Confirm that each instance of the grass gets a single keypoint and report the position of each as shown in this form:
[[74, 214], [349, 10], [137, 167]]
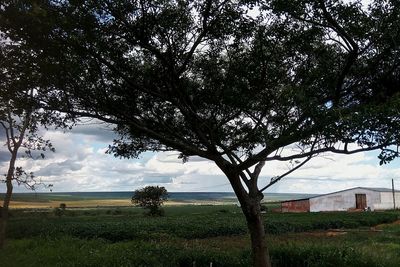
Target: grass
[[201, 234]]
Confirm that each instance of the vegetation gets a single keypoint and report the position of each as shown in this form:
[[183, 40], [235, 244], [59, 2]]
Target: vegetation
[[234, 82], [151, 198], [103, 237], [189, 222], [20, 118]]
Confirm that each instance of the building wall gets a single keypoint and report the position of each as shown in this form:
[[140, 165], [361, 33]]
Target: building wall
[[387, 201], [342, 201], [296, 206]]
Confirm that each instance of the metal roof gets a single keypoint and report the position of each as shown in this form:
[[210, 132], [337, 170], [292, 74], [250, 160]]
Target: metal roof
[[379, 189], [376, 189]]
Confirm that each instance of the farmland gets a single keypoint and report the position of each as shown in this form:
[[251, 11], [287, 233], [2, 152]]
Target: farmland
[[200, 234], [120, 199]]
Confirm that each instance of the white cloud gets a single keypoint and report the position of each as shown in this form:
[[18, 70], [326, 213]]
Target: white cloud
[[80, 164], [335, 172]]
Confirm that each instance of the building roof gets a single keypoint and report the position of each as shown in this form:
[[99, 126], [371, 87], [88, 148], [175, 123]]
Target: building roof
[[376, 189], [379, 189]]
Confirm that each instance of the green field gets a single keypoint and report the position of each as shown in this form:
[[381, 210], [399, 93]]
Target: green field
[[200, 234]]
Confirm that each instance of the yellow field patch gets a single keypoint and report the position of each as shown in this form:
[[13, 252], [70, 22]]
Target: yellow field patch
[[71, 204], [93, 203]]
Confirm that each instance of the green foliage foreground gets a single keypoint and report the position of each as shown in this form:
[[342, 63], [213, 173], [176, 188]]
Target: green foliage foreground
[[126, 237]]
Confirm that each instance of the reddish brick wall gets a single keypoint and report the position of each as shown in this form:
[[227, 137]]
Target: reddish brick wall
[[296, 206]]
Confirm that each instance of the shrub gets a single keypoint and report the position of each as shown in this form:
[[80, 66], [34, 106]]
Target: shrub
[[58, 212], [151, 198], [116, 212]]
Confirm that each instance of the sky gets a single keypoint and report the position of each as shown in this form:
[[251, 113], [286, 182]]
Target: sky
[[81, 164]]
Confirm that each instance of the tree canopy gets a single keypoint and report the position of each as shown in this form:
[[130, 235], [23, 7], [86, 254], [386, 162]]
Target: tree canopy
[[207, 78], [234, 82]]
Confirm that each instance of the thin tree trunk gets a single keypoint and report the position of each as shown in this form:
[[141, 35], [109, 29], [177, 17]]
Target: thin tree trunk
[[3, 224], [255, 224], [13, 144], [7, 199], [4, 215]]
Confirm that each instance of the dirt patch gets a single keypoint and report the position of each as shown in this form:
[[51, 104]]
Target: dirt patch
[[338, 232], [385, 224], [325, 233]]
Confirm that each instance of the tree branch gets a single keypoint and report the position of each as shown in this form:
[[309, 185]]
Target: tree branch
[[180, 145], [8, 142], [11, 129], [328, 149], [353, 48], [278, 178], [257, 169], [335, 26]]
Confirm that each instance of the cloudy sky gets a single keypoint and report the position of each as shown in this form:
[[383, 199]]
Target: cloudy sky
[[80, 164]]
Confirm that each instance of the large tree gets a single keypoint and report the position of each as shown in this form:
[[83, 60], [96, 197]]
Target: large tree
[[235, 82]]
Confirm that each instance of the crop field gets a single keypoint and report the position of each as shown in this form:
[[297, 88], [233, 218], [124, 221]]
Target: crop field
[[121, 199], [197, 236]]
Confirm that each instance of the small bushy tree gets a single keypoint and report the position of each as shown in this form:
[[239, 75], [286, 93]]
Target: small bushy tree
[[151, 198]]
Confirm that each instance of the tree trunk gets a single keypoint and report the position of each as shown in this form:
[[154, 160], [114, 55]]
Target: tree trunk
[[250, 205], [7, 199], [4, 213], [255, 224], [3, 224], [13, 144]]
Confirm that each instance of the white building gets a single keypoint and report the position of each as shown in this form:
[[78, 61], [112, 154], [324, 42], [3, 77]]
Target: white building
[[361, 198]]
